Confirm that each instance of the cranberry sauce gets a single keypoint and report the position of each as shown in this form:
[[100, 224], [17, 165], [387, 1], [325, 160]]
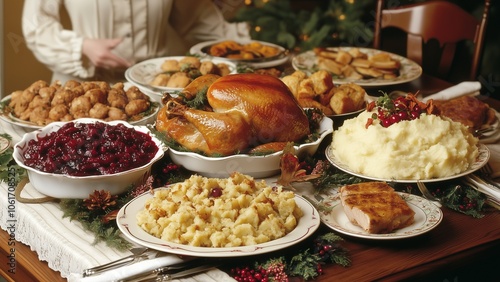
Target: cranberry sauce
[[85, 149]]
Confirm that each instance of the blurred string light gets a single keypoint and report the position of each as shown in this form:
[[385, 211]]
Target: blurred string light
[[330, 23]]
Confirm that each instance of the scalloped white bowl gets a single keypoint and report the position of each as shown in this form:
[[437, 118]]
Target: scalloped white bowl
[[79, 187], [255, 166]]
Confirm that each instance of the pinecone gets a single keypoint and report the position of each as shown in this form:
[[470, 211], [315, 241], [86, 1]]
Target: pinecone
[[100, 200]]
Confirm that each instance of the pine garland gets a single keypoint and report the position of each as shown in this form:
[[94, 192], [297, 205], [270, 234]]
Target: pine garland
[[101, 220]]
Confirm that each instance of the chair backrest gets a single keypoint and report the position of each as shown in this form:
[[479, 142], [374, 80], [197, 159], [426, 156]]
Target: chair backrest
[[443, 21]]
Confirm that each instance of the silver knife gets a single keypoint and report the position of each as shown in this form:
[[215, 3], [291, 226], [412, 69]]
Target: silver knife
[[158, 276]]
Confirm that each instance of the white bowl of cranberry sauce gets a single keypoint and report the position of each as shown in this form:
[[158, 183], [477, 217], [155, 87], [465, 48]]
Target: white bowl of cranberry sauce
[[73, 159]]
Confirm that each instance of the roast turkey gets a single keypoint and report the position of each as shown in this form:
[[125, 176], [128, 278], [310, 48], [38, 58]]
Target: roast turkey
[[242, 111]]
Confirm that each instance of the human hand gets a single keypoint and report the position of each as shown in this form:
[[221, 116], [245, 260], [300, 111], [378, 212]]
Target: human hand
[[99, 52]]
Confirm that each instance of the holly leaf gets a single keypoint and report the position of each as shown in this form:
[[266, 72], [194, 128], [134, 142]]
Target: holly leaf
[[304, 265]]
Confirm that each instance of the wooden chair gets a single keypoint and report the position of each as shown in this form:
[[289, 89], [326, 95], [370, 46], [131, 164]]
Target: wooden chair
[[443, 21]]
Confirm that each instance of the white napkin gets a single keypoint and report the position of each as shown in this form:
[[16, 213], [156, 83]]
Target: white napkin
[[128, 270], [464, 88]]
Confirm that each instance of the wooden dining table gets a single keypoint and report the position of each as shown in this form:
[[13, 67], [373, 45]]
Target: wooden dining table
[[460, 248]]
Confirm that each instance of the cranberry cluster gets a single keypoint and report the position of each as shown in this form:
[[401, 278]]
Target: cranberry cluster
[[402, 108], [83, 149], [246, 274], [274, 272]]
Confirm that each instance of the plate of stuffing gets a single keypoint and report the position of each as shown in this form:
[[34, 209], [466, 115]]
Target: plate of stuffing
[[407, 216], [42, 103], [218, 217], [255, 53], [172, 74], [363, 66]]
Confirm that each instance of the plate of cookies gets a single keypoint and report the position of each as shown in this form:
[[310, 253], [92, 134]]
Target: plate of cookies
[[363, 66]]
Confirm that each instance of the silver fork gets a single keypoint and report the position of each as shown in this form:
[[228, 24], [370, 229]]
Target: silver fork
[[482, 131], [486, 170], [427, 194], [137, 254]]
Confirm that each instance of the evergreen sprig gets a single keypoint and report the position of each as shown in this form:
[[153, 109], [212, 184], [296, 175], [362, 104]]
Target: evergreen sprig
[[74, 209], [328, 24], [10, 171]]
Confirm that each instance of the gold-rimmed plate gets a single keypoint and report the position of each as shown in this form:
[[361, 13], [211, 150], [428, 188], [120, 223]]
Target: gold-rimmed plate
[[408, 71], [127, 223], [143, 73], [21, 126], [280, 58], [481, 160], [427, 217]]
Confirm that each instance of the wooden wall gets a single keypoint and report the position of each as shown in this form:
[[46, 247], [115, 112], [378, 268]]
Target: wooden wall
[[20, 67]]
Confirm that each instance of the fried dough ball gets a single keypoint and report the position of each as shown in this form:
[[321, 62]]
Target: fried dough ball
[[80, 107], [27, 97], [23, 102], [117, 98], [63, 96], [58, 112], [25, 115], [39, 101], [207, 67], [170, 66], [88, 85], [119, 86], [78, 90], [161, 79], [15, 98], [135, 107], [39, 115], [178, 80], [347, 98], [133, 93], [193, 62], [37, 85], [70, 84], [47, 92], [116, 114], [99, 110], [223, 69], [96, 95]]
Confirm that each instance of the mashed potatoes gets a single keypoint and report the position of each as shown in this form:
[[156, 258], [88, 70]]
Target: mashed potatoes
[[425, 148], [213, 212]]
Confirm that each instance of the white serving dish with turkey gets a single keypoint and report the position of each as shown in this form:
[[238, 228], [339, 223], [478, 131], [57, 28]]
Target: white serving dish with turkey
[[244, 125]]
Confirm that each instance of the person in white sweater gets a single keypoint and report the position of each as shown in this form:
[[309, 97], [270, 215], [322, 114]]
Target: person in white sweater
[[108, 36]]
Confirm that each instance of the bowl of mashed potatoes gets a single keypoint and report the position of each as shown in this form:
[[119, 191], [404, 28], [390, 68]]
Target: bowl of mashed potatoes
[[430, 147]]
